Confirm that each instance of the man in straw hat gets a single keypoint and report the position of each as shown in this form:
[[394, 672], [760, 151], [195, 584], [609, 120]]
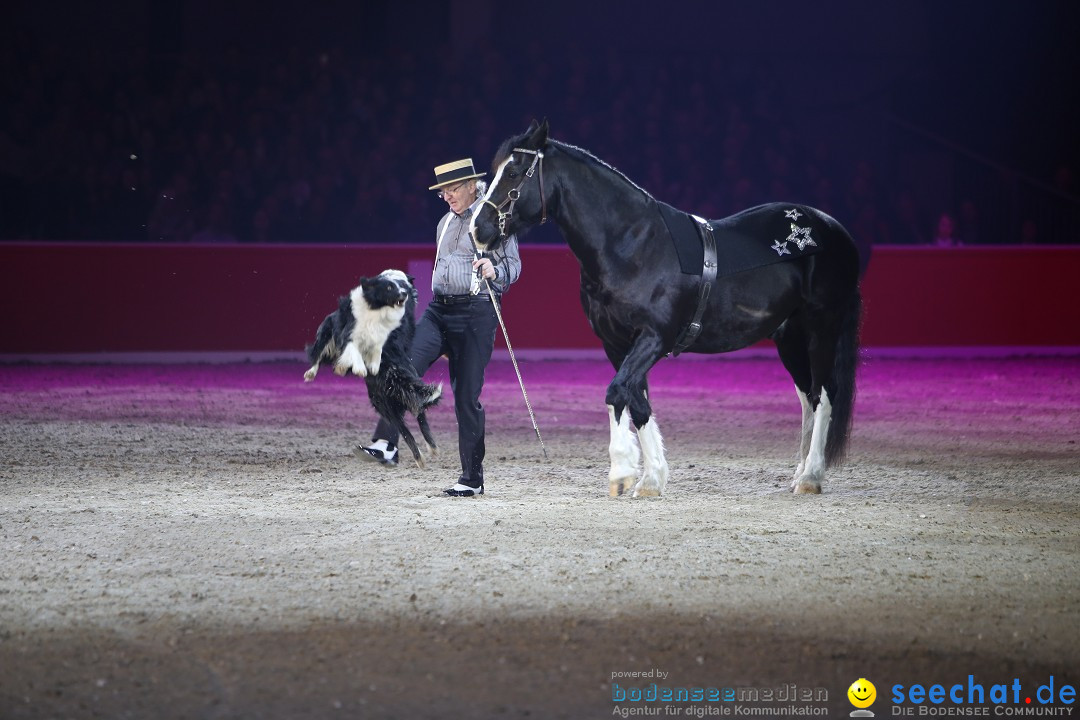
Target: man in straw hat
[[460, 322]]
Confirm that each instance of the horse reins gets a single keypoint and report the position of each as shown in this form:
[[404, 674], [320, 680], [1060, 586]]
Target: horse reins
[[514, 193]]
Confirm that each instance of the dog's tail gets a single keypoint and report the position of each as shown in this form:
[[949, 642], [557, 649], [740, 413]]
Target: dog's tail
[[429, 396], [413, 393]]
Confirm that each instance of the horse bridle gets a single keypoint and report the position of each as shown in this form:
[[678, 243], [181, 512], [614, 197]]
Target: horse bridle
[[514, 193]]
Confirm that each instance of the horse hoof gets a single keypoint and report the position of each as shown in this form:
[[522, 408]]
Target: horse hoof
[[806, 487], [420, 463], [618, 487]]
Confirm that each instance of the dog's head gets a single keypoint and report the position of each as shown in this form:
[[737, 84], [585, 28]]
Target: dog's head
[[390, 288]]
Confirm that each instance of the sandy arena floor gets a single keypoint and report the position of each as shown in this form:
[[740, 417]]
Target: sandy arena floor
[[198, 541]]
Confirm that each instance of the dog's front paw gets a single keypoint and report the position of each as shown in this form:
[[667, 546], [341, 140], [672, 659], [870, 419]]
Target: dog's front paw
[[374, 368], [310, 374]]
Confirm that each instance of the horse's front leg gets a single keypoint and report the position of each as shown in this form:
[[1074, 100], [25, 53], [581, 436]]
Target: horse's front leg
[[623, 449], [627, 395], [655, 474]]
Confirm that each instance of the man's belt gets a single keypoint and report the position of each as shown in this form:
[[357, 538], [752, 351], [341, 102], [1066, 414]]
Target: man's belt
[[459, 299]]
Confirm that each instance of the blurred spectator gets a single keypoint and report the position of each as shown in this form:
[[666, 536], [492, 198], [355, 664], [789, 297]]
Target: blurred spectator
[[945, 232], [907, 224], [869, 228]]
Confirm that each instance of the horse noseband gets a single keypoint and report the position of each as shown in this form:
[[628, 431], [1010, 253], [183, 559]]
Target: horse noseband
[[514, 193]]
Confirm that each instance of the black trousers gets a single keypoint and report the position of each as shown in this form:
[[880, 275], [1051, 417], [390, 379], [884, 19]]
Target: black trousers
[[465, 333]]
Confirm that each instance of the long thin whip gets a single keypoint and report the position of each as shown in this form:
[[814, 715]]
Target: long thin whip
[[513, 360]]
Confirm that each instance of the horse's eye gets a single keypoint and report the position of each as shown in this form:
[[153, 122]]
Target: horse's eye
[[512, 173]]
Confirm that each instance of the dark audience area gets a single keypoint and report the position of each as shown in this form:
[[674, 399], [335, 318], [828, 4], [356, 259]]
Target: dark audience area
[[331, 144]]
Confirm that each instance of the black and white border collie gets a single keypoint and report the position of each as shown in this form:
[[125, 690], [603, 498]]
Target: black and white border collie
[[370, 334]]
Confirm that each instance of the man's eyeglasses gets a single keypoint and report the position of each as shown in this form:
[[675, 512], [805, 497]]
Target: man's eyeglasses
[[445, 193]]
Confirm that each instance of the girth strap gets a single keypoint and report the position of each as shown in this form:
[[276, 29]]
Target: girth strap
[[708, 276]]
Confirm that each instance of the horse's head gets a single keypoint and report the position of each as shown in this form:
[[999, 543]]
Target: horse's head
[[515, 200]]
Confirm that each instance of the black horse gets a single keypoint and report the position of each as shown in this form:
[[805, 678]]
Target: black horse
[[655, 282]]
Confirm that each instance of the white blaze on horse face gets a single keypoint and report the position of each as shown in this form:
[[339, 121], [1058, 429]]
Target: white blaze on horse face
[[485, 200]]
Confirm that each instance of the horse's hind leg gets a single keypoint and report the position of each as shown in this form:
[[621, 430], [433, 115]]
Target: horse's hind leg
[[792, 346], [813, 468], [805, 434], [820, 354]]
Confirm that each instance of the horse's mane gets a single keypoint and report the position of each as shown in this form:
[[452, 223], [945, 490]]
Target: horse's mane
[[573, 150], [586, 156]]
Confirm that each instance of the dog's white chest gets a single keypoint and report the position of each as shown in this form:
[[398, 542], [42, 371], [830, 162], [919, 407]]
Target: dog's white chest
[[372, 328]]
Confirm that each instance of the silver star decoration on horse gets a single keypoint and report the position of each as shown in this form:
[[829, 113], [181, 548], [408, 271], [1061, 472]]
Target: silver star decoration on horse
[[800, 236], [793, 214], [780, 246]]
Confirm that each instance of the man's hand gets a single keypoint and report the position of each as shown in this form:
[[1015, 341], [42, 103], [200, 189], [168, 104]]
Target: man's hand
[[484, 268]]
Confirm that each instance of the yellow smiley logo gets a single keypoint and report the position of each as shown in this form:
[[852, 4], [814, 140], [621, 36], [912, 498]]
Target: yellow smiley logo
[[862, 693]]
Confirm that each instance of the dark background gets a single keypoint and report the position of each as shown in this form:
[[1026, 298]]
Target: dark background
[[321, 122]]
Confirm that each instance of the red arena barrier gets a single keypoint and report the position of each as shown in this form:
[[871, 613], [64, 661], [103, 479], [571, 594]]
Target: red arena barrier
[[162, 298]]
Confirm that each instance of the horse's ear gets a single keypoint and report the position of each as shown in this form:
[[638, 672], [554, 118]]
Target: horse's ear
[[532, 127], [538, 134]]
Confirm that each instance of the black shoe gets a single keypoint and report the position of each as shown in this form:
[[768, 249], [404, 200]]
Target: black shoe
[[386, 456], [462, 490]]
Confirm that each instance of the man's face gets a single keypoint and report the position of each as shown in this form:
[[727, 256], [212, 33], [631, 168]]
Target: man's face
[[459, 197]]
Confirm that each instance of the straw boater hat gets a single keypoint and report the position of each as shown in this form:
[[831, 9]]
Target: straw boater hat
[[455, 172]]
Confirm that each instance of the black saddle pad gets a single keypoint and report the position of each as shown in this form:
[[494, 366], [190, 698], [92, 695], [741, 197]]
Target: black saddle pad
[[750, 239]]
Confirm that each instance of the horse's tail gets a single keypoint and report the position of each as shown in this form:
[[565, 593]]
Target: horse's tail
[[842, 390]]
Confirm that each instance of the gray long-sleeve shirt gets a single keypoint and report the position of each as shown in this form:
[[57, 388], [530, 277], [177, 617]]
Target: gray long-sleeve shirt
[[454, 274]]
